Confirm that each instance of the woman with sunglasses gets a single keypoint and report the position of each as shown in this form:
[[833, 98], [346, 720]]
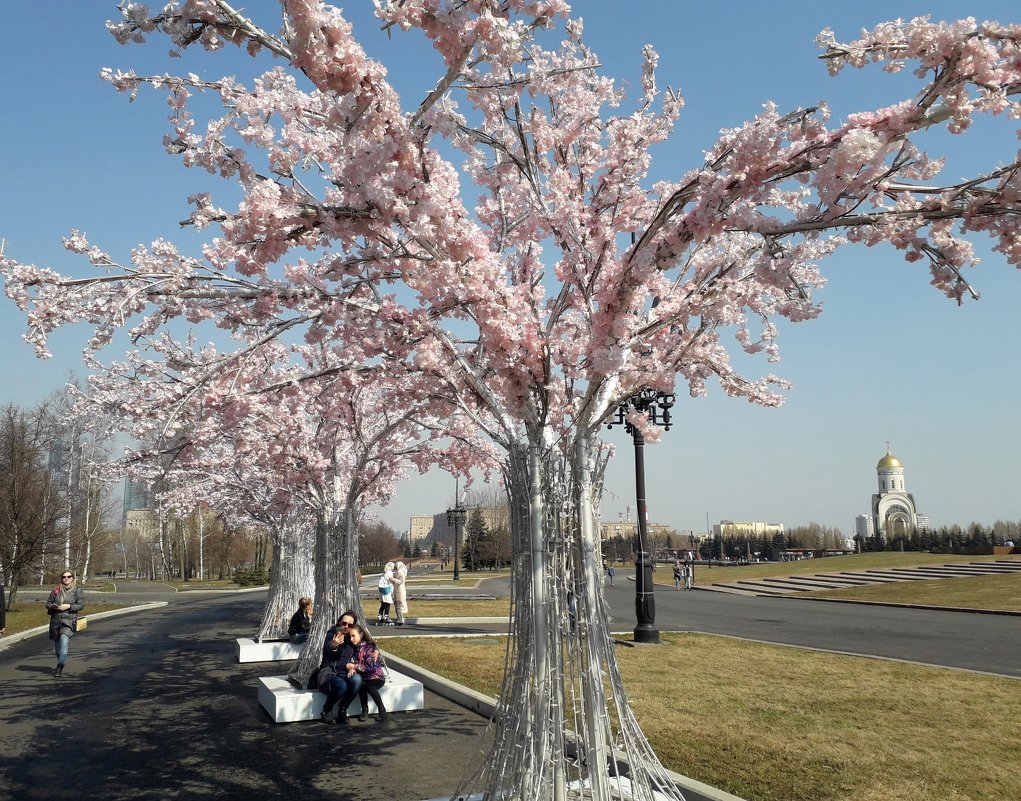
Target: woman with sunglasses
[[336, 677], [64, 603]]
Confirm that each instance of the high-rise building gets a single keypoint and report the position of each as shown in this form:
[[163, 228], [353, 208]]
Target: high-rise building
[[137, 496], [863, 526]]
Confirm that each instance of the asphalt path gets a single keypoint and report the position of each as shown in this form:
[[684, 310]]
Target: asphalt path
[[988, 643], [970, 641], [153, 705]]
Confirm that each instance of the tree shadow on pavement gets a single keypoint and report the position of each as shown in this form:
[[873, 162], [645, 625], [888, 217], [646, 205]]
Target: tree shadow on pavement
[[151, 712]]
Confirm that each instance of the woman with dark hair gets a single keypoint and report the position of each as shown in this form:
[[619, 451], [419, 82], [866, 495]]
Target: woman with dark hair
[[64, 603], [301, 622], [369, 665], [337, 677]]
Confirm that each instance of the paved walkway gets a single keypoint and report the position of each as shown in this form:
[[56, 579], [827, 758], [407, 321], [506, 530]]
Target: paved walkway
[[154, 706]]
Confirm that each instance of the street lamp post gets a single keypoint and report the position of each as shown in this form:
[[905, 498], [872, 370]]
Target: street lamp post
[[455, 518], [656, 406]]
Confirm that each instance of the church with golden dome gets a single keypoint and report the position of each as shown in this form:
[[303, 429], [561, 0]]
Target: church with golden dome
[[894, 513]]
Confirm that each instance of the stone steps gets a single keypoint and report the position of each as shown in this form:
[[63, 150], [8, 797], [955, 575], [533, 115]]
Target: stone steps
[[813, 582], [875, 578], [735, 590], [780, 586]]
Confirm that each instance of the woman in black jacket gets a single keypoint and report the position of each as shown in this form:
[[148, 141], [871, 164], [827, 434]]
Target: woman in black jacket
[[301, 622], [65, 602], [337, 677]]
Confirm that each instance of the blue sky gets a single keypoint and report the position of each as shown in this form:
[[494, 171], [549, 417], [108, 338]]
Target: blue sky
[[889, 359]]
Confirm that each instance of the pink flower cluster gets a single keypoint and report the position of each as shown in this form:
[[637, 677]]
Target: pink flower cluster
[[570, 283]]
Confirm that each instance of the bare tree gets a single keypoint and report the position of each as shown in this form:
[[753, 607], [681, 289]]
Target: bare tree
[[30, 498], [379, 543]]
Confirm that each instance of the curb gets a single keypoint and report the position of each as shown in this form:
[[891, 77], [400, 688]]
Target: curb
[[452, 621], [485, 706], [24, 635]]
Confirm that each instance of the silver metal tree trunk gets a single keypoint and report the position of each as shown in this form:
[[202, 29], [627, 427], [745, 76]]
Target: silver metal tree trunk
[[336, 584], [563, 728], [292, 575]]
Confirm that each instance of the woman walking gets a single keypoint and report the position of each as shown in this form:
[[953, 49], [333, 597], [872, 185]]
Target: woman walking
[[64, 603]]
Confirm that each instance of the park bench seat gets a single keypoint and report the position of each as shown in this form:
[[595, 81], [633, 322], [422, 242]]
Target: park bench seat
[[287, 703], [248, 650]]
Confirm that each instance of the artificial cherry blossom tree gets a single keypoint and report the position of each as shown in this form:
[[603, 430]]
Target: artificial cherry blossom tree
[[570, 284]]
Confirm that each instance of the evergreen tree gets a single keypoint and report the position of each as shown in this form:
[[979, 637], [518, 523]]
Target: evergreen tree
[[474, 538]]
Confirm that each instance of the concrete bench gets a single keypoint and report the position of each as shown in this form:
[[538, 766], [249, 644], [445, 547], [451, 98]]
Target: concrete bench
[[248, 650], [286, 703]]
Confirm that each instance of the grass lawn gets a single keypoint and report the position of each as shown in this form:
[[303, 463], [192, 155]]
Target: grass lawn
[[770, 723], [194, 584], [972, 592], [29, 615], [805, 567], [499, 607]]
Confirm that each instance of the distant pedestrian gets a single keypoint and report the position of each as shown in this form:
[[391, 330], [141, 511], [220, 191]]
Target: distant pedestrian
[[3, 609], [301, 622], [678, 576], [386, 595], [64, 603], [688, 571], [610, 573], [400, 592]]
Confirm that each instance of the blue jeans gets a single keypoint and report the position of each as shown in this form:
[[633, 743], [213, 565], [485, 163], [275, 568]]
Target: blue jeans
[[60, 647], [342, 689]]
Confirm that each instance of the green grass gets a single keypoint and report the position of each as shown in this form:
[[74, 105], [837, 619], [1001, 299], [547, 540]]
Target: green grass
[[194, 584], [770, 723], [805, 567], [971, 592], [500, 607], [27, 616]]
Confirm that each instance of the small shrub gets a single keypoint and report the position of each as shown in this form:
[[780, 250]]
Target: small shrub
[[251, 576]]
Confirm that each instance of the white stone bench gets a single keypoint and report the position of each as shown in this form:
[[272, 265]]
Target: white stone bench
[[248, 650], [288, 704]]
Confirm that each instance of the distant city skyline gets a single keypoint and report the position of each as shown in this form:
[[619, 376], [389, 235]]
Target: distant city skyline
[[889, 359]]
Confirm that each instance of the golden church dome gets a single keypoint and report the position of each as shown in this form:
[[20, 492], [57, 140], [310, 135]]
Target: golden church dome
[[889, 461]]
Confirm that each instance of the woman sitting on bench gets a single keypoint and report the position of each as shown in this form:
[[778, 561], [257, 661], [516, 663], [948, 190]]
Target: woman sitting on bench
[[369, 664], [301, 622]]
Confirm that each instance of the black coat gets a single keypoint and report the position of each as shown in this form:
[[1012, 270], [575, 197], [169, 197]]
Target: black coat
[[63, 622], [334, 660]]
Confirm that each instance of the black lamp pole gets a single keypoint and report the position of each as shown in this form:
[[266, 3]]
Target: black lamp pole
[[656, 406], [455, 518]]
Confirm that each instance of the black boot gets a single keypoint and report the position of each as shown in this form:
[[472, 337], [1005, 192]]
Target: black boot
[[58, 670], [381, 717]]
